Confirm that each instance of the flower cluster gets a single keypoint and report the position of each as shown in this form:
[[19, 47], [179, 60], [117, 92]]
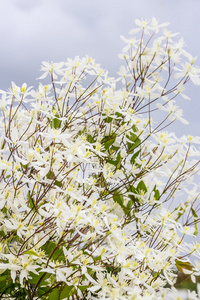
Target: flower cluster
[[96, 197]]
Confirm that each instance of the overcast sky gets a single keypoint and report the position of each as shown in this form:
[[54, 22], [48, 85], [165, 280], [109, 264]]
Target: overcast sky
[[53, 30]]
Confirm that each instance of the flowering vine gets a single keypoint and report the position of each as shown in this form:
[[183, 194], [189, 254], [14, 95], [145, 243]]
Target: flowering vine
[[96, 197]]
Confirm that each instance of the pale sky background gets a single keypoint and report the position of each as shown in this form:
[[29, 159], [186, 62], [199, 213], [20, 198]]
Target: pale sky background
[[53, 30]]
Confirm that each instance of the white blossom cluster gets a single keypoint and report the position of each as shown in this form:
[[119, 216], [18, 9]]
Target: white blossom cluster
[[96, 197]]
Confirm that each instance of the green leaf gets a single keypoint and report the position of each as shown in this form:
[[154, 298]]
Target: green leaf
[[137, 191], [4, 210], [179, 213], [129, 205], [50, 175], [32, 203], [134, 142], [184, 267], [135, 155], [132, 189], [113, 269], [28, 195], [118, 198], [66, 292], [35, 278], [128, 208], [58, 183], [24, 166], [119, 115], [90, 139], [141, 187], [155, 275], [31, 252], [109, 141], [108, 120], [53, 248], [7, 285], [54, 295], [116, 162], [2, 233], [133, 199], [56, 122], [49, 247], [195, 221], [4, 277], [43, 290], [82, 288], [156, 193], [135, 129], [97, 258], [132, 137]]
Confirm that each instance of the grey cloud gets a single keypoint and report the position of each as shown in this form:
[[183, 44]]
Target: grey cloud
[[26, 5]]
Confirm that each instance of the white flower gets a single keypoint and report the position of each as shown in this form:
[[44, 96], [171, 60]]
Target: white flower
[[53, 68]]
